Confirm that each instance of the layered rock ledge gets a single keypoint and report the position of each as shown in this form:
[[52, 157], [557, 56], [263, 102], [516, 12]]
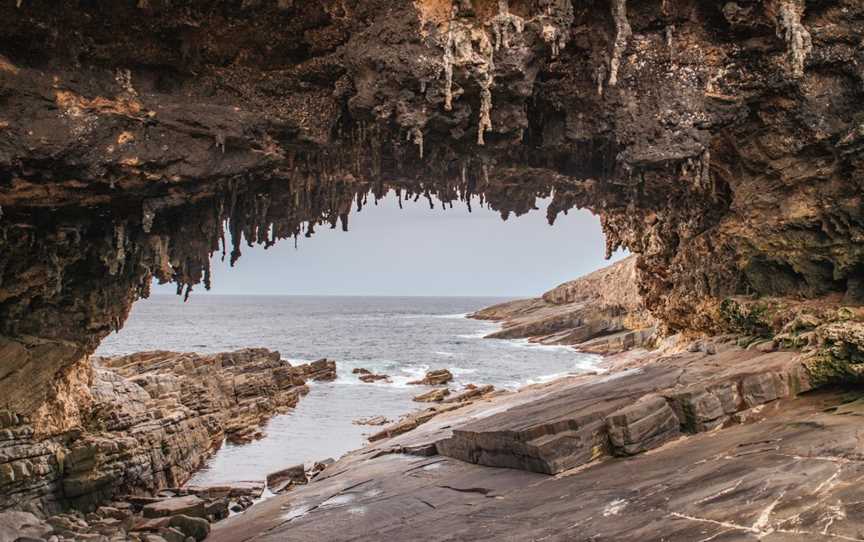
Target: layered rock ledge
[[602, 313], [151, 421], [678, 447]]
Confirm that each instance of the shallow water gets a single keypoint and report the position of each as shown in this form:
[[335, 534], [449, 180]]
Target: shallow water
[[399, 336]]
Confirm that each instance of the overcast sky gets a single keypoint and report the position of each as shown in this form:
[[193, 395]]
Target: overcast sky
[[418, 251]]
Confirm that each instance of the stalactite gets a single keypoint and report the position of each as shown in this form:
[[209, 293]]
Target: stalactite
[[622, 36], [487, 74], [485, 123], [416, 136], [505, 22], [704, 172], [448, 61], [798, 42], [600, 78]]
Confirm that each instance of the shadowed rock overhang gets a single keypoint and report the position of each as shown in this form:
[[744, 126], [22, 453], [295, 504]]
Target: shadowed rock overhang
[[723, 143]]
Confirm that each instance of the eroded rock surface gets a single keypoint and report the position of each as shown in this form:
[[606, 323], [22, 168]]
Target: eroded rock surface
[[601, 313], [721, 142], [735, 453], [154, 419]]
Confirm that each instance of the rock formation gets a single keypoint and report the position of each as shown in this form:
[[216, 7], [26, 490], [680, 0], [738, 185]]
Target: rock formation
[[721, 143], [733, 455], [434, 378], [153, 419], [601, 313]]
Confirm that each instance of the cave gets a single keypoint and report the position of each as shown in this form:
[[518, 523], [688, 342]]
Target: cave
[[723, 145]]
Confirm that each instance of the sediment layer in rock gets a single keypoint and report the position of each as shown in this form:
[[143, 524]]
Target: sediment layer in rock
[[155, 417], [601, 313], [721, 142]]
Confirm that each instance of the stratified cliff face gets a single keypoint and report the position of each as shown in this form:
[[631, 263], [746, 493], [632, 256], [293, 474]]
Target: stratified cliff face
[[601, 313], [723, 143]]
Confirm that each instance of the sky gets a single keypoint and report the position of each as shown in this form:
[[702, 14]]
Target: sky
[[417, 251]]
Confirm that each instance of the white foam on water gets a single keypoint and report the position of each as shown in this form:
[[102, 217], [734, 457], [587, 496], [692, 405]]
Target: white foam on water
[[476, 335], [458, 316], [542, 379], [525, 343], [447, 354]]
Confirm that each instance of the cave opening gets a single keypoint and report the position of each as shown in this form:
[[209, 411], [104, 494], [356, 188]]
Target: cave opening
[[389, 297]]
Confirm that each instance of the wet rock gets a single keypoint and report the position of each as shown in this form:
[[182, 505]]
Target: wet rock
[[434, 378], [433, 396], [707, 484], [318, 467], [253, 489], [370, 378], [320, 370], [411, 421], [178, 406], [245, 435]]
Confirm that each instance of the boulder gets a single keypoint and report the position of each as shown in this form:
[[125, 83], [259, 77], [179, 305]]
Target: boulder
[[16, 525], [190, 505], [197, 528], [434, 378]]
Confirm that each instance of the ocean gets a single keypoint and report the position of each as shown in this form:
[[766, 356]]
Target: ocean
[[399, 336]]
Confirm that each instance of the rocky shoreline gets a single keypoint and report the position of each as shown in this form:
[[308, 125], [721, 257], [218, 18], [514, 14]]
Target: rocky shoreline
[[600, 313], [690, 442], [152, 419]]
